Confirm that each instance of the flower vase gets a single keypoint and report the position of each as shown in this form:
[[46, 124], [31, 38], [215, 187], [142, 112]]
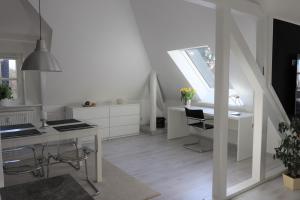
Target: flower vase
[[187, 103]]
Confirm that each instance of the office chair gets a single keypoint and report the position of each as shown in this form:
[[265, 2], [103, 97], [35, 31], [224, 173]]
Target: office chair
[[73, 157], [195, 118]]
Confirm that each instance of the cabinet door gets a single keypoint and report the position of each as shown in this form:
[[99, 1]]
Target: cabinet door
[[91, 113], [121, 110]]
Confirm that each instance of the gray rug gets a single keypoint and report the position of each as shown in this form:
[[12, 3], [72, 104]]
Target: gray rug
[[116, 185], [62, 187]]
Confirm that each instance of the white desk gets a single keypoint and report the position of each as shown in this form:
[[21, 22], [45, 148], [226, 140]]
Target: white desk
[[177, 127], [52, 135]]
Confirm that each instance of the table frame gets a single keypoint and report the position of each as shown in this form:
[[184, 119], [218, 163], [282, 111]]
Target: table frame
[[49, 134]]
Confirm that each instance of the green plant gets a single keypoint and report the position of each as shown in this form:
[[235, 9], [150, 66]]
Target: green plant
[[289, 150], [5, 92]]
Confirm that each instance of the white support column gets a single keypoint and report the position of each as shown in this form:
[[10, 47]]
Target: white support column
[[153, 105], [221, 101]]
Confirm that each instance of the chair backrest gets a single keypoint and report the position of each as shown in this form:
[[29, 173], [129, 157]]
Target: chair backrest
[[194, 114]]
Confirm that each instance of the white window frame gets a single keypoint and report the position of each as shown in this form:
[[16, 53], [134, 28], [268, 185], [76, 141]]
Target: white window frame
[[196, 80], [20, 75]]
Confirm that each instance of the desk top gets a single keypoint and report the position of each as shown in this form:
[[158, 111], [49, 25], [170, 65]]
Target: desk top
[[210, 111]]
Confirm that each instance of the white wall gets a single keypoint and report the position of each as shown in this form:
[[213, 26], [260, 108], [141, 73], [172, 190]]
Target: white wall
[[168, 25], [18, 33], [99, 48], [31, 79]]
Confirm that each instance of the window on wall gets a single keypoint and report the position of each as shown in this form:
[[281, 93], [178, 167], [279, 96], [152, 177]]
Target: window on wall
[[198, 67], [9, 74]]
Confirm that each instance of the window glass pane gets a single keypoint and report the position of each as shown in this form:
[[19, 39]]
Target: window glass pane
[[13, 84], [8, 68], [204, 60]]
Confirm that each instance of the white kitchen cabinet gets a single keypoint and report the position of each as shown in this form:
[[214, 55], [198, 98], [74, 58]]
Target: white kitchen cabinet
[[113, 120]]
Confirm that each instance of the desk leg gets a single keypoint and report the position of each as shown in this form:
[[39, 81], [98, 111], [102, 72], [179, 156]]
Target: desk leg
[[245, 139], [1, 168], [177, 124], [98, 157]]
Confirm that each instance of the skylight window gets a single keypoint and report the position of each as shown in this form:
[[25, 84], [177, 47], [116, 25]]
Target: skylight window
[[204, 60], [198, 67]]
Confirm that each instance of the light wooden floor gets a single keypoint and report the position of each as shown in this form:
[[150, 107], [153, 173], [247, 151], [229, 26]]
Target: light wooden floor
[[175, 172]]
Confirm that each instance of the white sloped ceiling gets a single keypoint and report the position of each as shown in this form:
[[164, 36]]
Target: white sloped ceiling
[[176, 24]]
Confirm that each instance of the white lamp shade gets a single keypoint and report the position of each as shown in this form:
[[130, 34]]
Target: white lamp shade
[[41, 59]]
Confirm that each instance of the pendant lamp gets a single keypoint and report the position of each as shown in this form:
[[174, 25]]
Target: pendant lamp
[[41, 59]]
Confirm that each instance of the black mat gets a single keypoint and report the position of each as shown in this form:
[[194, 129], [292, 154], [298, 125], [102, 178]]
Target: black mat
[[17, 126], [64, 121], [73, 127], [22, 133], [57, 188]]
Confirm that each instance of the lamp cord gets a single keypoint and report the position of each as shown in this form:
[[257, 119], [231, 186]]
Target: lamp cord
[[40, 19]]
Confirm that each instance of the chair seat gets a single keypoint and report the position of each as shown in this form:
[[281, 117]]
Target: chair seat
[[20, 167], [201, 125], [72, 156]]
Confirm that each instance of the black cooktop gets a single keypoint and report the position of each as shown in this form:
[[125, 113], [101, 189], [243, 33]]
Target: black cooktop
[[21, 133], [17, 126], [64, 121]]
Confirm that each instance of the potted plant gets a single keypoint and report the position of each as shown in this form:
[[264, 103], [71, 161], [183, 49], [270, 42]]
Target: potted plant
[[5, 94], [289, 153], [187, 95]]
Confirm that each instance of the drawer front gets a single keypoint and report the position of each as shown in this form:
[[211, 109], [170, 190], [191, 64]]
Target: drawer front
[[91, 113], [102, 122], [125, 120], [121, 110], [124, 130]]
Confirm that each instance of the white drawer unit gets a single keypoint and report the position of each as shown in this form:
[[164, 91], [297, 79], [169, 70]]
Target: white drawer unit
[[95, 115], [113, 120], [16, 117]]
